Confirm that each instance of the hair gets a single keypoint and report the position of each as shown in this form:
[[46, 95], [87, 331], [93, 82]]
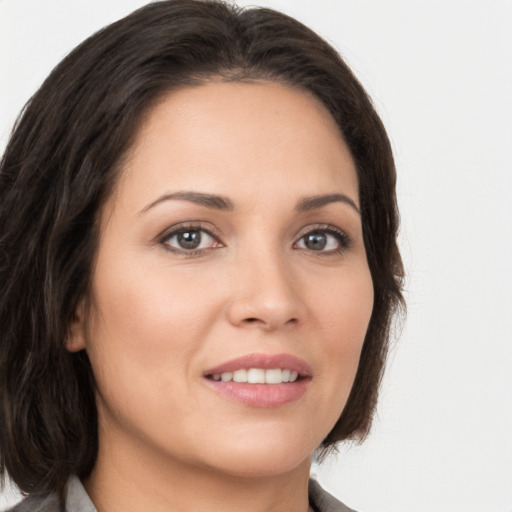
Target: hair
[[62, 162]]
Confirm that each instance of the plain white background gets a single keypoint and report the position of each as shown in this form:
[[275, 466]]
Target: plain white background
[[440, 74]]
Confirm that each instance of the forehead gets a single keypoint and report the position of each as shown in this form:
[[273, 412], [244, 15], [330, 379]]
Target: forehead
[[252, 140]]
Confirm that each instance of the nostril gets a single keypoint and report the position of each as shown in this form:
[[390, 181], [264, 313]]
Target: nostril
[[258, 321]]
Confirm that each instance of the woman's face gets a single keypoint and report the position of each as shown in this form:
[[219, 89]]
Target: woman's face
[[231, 249]]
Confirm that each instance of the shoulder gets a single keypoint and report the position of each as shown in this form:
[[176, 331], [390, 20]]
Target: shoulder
[[322, 501], [37, 504], [77, 500]]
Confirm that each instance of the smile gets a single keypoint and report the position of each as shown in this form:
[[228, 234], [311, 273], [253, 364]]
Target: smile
[[261, 380], [258, 376]]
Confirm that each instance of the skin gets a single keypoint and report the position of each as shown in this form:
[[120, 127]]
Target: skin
[[158, 317]]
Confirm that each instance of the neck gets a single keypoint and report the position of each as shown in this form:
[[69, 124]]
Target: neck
[[128, 480]]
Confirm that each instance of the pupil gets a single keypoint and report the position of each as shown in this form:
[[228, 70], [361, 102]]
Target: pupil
[[189, 239], [316, 241]]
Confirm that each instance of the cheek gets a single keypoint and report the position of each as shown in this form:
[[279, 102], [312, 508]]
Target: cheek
[[143, 307], [145, 331], [343, 316], [344, 309]]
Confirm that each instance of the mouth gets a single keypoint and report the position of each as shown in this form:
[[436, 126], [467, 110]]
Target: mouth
[[257, 376], [261, 380]]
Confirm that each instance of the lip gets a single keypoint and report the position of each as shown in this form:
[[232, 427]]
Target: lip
[[262, 395], [265, 362]]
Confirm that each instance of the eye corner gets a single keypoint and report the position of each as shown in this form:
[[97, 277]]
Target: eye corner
[[191, 239], [329, 240]]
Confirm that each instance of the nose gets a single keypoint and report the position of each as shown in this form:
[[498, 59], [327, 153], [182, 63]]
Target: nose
[[265, 294]]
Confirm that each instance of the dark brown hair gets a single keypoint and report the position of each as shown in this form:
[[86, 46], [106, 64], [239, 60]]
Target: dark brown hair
[[61, 164]]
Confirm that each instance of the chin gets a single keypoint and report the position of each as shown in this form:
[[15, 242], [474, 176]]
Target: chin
[[269, 465], [262, 456]]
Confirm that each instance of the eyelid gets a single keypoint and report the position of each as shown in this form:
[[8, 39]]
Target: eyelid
[[188, 226], [344, 239]]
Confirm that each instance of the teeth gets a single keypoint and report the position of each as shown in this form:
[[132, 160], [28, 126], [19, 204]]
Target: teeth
[[258, 376], [226, 376], [240, 376], [273, 376]]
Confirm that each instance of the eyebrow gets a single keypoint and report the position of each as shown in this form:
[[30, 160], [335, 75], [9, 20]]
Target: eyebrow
[[208, 200], [314, 202], [216, 202]]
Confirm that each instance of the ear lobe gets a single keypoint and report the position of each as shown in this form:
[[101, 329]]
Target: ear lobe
[[75, 340]]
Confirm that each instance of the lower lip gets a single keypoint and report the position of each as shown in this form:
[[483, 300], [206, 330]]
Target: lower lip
[[261, 395]]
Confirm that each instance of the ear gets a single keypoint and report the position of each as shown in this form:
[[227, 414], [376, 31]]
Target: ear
[[75, 340]]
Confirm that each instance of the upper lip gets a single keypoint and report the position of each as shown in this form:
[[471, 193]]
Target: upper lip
[[265, 362]]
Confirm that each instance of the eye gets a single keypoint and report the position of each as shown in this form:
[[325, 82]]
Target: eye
[[189, 240], [327, 240]]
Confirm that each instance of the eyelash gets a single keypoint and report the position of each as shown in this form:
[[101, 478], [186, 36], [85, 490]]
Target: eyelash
[[164, 240], [342, 238]]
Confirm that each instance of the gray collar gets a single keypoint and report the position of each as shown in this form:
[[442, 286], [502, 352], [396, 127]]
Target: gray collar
[[322, 501], [77, 500]]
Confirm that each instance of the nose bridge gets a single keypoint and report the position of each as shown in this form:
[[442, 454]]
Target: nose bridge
[[266, 294]]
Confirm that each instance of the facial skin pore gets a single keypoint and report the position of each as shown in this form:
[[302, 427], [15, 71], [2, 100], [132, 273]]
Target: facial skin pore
[[233, 231]]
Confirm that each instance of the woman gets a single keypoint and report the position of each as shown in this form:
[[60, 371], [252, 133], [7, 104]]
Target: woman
[[198, 263]]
